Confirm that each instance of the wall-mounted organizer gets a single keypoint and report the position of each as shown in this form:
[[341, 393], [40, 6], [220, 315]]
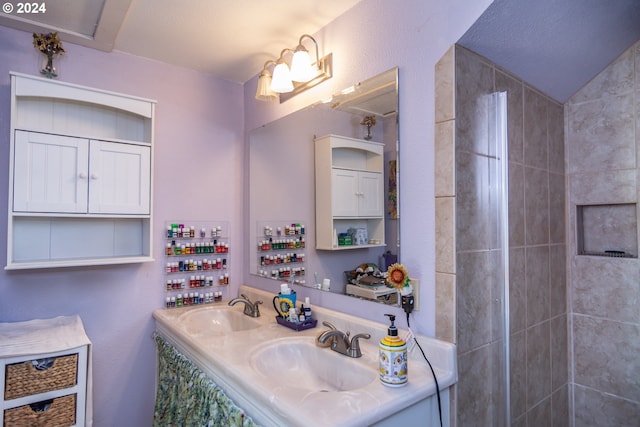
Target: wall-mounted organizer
[[608, 230], [281, 250], [197, 262]]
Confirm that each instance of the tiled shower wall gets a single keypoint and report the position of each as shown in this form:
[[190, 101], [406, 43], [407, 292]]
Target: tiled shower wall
[[603, 137], [467, 294]]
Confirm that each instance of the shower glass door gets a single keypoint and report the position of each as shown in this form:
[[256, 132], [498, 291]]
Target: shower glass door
[[499, 199]]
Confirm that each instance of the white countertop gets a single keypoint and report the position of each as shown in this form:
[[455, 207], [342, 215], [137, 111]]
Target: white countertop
[[227, 360]]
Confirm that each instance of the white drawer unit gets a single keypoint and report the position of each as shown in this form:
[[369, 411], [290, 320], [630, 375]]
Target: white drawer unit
[[47, 389], [45, 371]]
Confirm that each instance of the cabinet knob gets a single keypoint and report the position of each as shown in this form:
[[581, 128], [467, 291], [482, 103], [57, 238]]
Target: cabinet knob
[[82, 175], [94, 176]]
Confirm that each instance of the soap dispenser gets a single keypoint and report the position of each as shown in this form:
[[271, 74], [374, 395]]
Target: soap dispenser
[[393, 357]]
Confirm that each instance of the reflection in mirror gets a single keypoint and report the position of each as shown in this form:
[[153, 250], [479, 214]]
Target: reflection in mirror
[[282, 187]]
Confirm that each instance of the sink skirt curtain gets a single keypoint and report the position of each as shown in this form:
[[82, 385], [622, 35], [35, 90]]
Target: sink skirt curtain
[[187, 397]]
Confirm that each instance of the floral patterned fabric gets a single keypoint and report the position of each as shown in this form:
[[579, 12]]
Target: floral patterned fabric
[[187, 397]]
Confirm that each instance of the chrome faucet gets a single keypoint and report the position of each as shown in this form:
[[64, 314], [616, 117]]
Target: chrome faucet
[[250, 308], [340, 342]]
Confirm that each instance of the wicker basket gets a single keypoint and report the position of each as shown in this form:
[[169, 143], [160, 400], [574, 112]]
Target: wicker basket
[[58, 412], [37, 376]]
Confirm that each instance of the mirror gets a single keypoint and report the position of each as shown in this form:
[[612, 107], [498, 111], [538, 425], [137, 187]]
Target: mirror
[[282, 204]]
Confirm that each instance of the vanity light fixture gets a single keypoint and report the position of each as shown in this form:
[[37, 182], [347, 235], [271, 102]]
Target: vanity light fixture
[[303, 74]]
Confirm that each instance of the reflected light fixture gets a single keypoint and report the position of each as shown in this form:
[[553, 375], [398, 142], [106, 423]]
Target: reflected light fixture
[[303, 74], [264, 91]]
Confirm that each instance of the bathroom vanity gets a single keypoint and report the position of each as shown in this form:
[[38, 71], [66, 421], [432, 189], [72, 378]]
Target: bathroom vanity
[[278, 376]]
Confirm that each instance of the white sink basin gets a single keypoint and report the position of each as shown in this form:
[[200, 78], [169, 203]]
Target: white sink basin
[[305, 366], [217, 321]]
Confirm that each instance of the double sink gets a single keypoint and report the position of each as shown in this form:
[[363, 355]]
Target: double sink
[[281, 377], [314, 368]]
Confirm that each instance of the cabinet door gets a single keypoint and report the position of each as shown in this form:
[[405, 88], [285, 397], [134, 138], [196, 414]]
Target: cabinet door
[[370, 194], [344, 192], [120, 178], [49, 173]]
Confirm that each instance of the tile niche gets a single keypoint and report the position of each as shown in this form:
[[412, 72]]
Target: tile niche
[[607, 230]]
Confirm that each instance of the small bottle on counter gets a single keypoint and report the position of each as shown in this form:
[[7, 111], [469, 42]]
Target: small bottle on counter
[[307, 308], [293, 316]]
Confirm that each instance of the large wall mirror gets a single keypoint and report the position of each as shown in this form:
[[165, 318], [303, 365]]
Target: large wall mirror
[[282, 183]]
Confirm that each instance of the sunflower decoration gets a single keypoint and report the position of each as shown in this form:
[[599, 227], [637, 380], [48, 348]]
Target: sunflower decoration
[[50, 45], [398, 277]]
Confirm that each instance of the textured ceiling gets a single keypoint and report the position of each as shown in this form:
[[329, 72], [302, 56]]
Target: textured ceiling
[[230, 39], [556, 46]]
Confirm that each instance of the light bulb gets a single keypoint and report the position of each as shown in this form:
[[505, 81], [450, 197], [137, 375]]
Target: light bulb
[[281, 81], [264, 92], [301, 69]]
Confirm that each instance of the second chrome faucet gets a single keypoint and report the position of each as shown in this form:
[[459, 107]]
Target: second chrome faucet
[[340, 341], [250, 308]]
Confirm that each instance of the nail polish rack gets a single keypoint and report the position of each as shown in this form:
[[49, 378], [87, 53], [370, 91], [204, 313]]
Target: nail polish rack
[[281, 250], [197, 262]]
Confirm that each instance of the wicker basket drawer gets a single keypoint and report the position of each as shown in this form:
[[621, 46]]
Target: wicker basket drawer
[[57, 412], [37, 376]]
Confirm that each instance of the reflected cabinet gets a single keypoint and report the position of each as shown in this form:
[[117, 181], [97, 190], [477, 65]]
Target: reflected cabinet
[[349, 193]]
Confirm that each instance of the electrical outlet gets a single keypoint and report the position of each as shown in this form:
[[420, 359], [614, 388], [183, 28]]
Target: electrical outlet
[[415, 284], [407, 303]]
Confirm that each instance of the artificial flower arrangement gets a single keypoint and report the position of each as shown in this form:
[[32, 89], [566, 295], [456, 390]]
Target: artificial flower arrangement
[[368, 121], [50, 45], [398, 277]]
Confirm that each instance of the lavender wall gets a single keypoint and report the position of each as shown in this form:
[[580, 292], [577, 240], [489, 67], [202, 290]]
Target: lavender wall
[[372, 37], [198, 164]]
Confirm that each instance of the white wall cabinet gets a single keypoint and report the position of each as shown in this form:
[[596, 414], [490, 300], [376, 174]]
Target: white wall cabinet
[[349, 190], [357, 194], [46, 173], [119, 178], [80, 176], [63, 174]]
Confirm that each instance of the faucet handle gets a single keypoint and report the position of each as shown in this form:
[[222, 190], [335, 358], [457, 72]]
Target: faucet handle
[[354, 340], [354, 348], [256, 310]]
